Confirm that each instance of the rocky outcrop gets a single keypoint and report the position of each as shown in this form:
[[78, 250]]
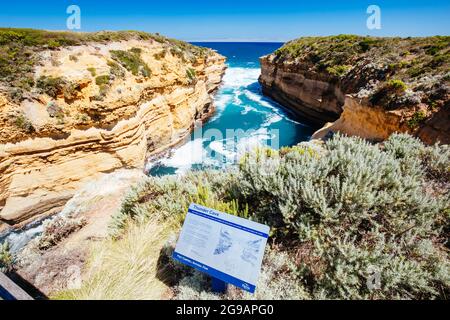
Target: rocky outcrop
[[368, 87], [308, 96], [360, 119], [101, 125], [437, 127]]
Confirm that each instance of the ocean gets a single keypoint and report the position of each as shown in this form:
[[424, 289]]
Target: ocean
[[244, 119]]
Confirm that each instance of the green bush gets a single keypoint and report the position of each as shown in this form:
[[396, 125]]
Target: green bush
[[6, 258], [56, 230], [51, 86], [338, 71], [191, 75], [24, 123], [416, 119], [102, 80], [349, 212], [131, 60], [115, 70], [93, 71], [396, 85]]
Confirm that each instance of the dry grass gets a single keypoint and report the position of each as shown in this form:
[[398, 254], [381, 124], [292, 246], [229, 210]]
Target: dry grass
[[126, 268]]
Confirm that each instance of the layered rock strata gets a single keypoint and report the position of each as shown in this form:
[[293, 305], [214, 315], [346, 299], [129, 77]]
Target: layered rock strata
[[363, 86], [102, 126]]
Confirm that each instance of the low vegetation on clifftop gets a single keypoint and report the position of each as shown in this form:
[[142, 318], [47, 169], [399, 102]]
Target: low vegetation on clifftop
[[19, 50], [88, 104], [340, 213], [392, 72], [48, 67], [400, 84]]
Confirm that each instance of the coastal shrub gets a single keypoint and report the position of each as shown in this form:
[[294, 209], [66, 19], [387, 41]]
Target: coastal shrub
[[54, 110], [433, 160], [93, 71], [160, 55], [153, 197], [132, 61], [6, 258], [396, 85], [136, 51], [356, 209], [191, 75], [70, 90], [24, 123], [338, 71], [115, 70], [57, 229], [437, 161], [390, 94], [416, 119], [51, 86], [355, 220], [54, 86], [102, 80]]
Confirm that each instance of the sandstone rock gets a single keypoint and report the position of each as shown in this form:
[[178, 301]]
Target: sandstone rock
[[311, 99], [437, 128], [326, 82], [137, 117], [359, 119], [3, 227]]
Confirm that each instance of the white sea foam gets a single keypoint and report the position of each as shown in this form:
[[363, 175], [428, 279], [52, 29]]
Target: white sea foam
[[229, 151], [272, 108], [258, 99], [240, 77], [248, 109], [236, 99], [271, 119], [185, 156], [221, 101], [259, 137], [221, 152], [220, 146]]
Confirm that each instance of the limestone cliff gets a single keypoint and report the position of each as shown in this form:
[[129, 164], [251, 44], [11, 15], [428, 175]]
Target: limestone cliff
[[370, 87], [94, 107]]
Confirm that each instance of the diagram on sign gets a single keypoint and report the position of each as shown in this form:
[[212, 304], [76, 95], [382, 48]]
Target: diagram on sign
[[225, 242], [249, 249]]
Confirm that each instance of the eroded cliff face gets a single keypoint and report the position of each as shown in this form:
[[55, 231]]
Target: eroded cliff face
[[360, 119], [308, 95], [362, 86], [56, 141]]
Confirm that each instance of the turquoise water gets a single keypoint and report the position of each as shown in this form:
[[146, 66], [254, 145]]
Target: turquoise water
[[244, 118]]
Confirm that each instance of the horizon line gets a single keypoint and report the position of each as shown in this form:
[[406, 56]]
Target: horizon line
[[236, 41]]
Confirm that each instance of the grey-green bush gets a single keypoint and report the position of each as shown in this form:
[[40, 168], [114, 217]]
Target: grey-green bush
[[358, 220]]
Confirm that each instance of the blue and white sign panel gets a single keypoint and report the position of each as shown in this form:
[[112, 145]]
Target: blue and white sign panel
[[224, 246]]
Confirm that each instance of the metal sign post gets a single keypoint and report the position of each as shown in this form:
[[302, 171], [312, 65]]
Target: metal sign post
[[218, 286]]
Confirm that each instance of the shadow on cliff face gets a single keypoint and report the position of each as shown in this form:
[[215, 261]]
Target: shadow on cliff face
[[437, 128]]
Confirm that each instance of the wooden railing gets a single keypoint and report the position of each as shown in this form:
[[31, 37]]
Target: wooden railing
[[11, 291]]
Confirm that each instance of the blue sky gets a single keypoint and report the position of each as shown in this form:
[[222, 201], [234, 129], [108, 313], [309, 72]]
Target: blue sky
[[230, 20]]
